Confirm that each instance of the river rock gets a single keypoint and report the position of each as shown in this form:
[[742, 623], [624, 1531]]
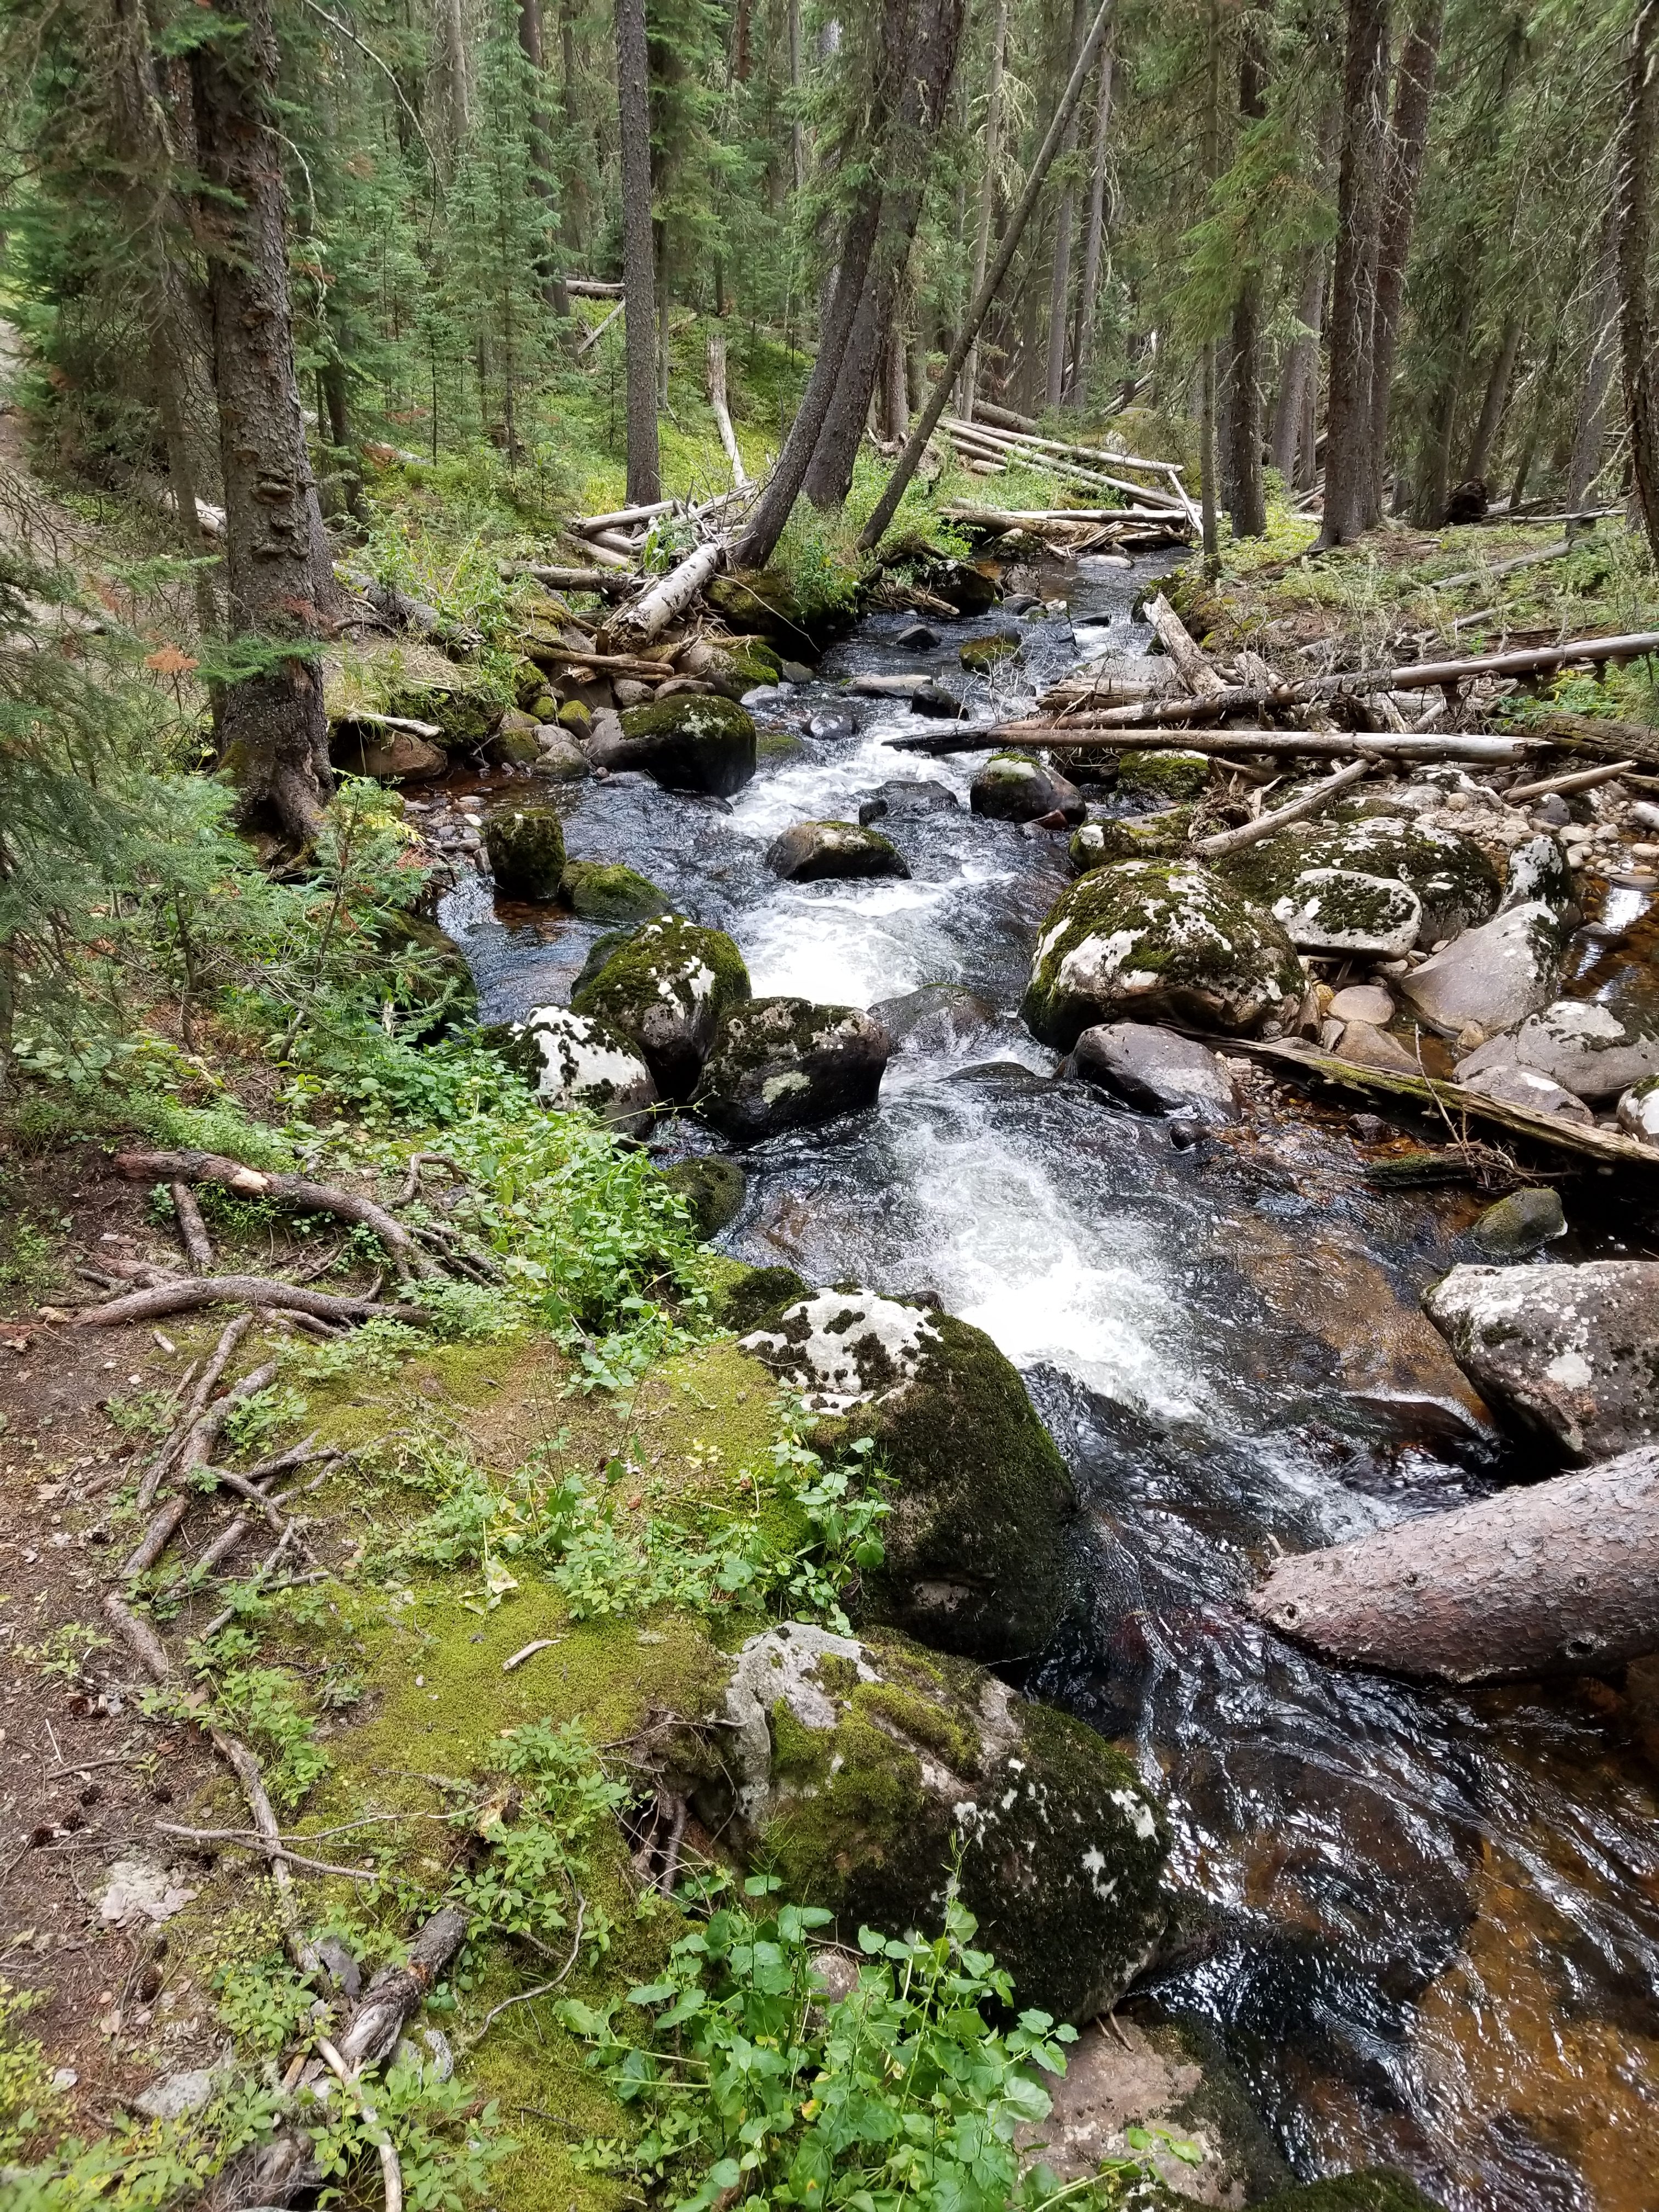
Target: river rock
[[1368, 1046], [666, 988], [837, 723], [1455, 883], [1527, 1087], [1585, 1048], [941, 1020], [1491, 977], [979, 655], [1161, 837], [605, 890], [526, 845], [1520, 1224], [1017, 788], [714, 1188], [931, 698], [573, 1061], [1169, 777], [785, 1064], [1639, 1111], [1362, 1002], [880, 1779], [908, 797], [1572, 1351], [559, 758], [698, 743], [1339, 911], [1155, 1070], [916, 637], [810, 852], [391, 755], [514, 744], [1539, 870], [1155, 940], [976, 1559]]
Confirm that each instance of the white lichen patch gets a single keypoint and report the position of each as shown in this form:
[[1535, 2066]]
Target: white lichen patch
[[845, 1348], [584, 1064]]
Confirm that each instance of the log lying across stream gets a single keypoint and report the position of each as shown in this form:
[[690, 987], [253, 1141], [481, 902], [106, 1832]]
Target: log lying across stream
[[1555, 1578]]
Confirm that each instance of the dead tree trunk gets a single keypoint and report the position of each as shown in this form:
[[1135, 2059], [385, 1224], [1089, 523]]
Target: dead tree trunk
[[1301, 369], [639, 256], [988, 198], [1060, 282], [1094, 239], [1558, 1578], [1348, 471], [1634, 226], [1590, 423], [278, 572], [1407, 142], [1496, 396]]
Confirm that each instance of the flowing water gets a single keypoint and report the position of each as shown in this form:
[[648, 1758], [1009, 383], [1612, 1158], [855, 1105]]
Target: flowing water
[[1423, 1927]]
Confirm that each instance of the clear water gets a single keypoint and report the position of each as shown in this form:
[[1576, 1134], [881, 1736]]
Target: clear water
[[1426, 1927]]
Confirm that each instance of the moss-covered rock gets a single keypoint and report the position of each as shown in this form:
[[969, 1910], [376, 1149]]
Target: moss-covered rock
[[1342, 910], [1167, 777], [526, 845], [979, 655], [574, 1061], [435, 977], [1016, 787], [1373, 2189], [560, 759], [465, 707], [694, 741], [668, 988], [864, 1770], [714, 1188], [786, 1064], [1155, 940], [514, 744], [605, 890], [766, 600], [576, 716], [810, 852], [976, 1552], [1160, 836], [1454, 881]]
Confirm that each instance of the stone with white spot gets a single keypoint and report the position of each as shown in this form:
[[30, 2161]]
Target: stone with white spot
[[1341, 911], [1639, 1112], [573, 1061], [1585, 1048], [667, 988], [1570, 1352], [175, 2096], [1529, 1088], [786, 1064]]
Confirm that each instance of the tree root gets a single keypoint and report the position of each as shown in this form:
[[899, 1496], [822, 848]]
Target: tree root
[[199, 1245], [291, 1190], [187, 1293]]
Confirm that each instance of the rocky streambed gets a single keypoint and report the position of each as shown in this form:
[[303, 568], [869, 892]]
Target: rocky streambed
[[1414, 1927]]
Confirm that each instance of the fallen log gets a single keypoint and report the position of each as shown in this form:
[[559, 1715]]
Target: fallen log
[[1062, 460], [398, 611], [721, 410], [590, 287], [621, 518], [1071, 737], [1465, 576], [189, 1293], [606, 582], [299, 1191], [1252, 833], [1000, 519], [1588, 734], [1003, 447], [192, 1229], [1177, 640], [1555, 1578], [1585, 779], [586, 345], [654, 609]]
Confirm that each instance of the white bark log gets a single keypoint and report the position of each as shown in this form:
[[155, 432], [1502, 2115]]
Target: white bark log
[[671, 597], [717, 401], [1311, 802]]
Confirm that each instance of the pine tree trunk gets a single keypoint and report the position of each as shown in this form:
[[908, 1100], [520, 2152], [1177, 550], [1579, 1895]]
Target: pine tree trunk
[[1060, 280], [1348, 471], [542, 184], [1635, 223], [454, 77], [1407, 144], [1094, 241], [575, 182], [797, 127], [279, 577], [1493, 405], [1246, 499], [1301, 368], [896, 372], [1589, 421], [639, 253], [969, 387]]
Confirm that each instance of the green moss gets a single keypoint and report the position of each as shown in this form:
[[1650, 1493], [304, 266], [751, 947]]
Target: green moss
[[980, 654], [934, 1727], [515, 744], [755, 1296], [1161, 837], [1169, 776], [688, 712], [1374, 2189], [779, 745], [576, 716], [713, 1187], [755, 662], [668, 987], [1457, 884], [605, 890], [526, 845]]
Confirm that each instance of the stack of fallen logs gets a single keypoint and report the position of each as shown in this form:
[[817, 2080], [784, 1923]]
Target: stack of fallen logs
[[1160, 513], [615, 541]]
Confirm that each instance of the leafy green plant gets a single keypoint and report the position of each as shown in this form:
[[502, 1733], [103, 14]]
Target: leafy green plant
[[26, 2091], [752, 2088], [64, 1652], [540, 1833]]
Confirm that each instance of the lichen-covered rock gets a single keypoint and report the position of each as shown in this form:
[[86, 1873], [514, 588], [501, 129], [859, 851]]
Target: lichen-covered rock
[[1156, 1070], [865, 1769], [605, 890], [1339, 911], [1154, 940], [1161, 837], [1585, 1048], [786, 1064], [714, 1188], [515, 743], [732, 665], [667, 988], [1018, 787], [813, 852], [526, 845], [1541, 870], [1572, 1351], [695, 742], [905, 796], [1493, 977], [1455, 883], [1170, 776], [1639, 1111], [1530, 1088], [574, 1061], [979, 655], [977, 1557]]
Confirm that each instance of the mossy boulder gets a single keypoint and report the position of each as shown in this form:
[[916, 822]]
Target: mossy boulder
[[1158, 941], [526, 845], [1169, 777], [574, 1061], [694, 741], [1017, 787], [667, 988], [514, 744], [464, 707], [876, 1777], [811, 852], [785, 1063], [576, 716], [1455, 882], [1342, 910], [560, 759], [766, 600], [977, 1560], [1139, 837], [713, 1189], [605, 890], [731, 665], [979, 655]]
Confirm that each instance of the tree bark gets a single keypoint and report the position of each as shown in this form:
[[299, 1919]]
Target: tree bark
[[1497, 395], [1246, 498], [1557, 1579], [1589, 421], [1635, 223], [1301, 369], [988, 198], [722, 412], [1348, 471], [279, 577], [1407, 142], [1060, 280], [1094, 242], [639, 271], [550, 265]]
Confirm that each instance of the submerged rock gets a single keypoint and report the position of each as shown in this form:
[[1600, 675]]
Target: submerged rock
[[785, 1064], [1153, 940], [1017, 788], [526, 845], [940, 1019], [575, 1062], [667, 988], [905, 796], [713, 1187], [809, 852], [605, 890], [1520, 1224], [1156, 1071], [879, 1779], [1582, 1047], [1572, 1351], [930, 698], [976, 1559], [694, 742], [979, 655], [1491, 977], [1339, 911]]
